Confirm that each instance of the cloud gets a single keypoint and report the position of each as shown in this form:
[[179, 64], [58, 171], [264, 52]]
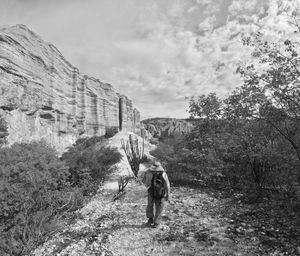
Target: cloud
[[155, 51]]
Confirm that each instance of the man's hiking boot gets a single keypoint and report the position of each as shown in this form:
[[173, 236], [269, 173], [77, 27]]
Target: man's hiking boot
[[155, 225], [150, 222]]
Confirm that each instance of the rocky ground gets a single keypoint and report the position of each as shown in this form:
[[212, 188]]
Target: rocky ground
[[192, 225], [196, 221]]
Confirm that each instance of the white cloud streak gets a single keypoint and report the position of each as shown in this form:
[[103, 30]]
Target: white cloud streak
[[155, 51]]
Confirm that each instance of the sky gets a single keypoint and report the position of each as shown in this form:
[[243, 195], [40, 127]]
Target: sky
[[157, 52]]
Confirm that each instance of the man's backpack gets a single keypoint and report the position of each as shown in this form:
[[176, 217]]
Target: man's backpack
[[158, 185]]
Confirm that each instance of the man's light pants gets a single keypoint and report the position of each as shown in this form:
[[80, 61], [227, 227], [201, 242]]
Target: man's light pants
[[152, 213]]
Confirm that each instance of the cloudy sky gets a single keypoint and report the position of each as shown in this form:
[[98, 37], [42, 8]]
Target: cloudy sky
[[157, 52]]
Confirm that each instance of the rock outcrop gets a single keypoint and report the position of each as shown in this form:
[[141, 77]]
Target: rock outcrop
[[166, 127], [42, 95]]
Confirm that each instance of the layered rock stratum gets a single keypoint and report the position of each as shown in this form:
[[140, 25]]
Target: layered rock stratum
[[43, 96], [166, 127]]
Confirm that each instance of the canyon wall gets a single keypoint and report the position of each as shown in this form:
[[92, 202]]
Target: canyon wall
[[167, 127], [43, 96]]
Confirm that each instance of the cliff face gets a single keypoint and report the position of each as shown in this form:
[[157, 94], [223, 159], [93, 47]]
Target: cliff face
[[42, 96], [166, 127]]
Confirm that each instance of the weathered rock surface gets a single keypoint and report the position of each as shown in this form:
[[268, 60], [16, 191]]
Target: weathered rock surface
[[42, 95], [166, 127]]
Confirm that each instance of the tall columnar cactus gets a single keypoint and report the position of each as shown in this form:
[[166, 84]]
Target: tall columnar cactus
[[134, 153]]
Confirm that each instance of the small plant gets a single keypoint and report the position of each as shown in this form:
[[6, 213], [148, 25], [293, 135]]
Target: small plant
[[122, 183], [110, 132], [134, 153]]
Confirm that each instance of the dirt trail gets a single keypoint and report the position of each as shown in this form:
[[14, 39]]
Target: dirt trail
[[188, 227], [191, 224]]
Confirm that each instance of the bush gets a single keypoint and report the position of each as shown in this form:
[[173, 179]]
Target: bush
[[154, 141], [244, 154], [110, 132], [173, 155], [87, 142], [33, 187], [37, 188], [89, 162], [3, 131]]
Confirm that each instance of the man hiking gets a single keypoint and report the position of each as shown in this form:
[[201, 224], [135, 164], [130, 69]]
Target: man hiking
[[158, 185]]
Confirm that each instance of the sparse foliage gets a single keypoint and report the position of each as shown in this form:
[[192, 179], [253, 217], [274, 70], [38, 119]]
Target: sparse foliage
[[122, 183], [271, 93], [209, 106]]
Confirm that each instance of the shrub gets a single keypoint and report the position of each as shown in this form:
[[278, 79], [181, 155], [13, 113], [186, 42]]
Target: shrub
[[245, 153], [33, 187], [36, 188], [3, 131], [89, 161], [110, 132], [177, 160], [154, 141], [86, 142]]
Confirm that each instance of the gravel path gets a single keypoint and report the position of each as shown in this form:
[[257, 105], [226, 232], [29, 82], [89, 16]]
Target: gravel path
[[190, 224], [189, 227]]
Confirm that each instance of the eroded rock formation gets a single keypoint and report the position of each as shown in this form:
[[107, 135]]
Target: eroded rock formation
[[42, 95], [166, 127]]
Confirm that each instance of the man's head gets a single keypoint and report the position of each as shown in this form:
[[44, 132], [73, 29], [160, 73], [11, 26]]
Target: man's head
[[157, 167]]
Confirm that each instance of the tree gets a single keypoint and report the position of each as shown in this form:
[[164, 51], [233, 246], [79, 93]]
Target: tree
[[209, 106], [271, 89], [257, 128]]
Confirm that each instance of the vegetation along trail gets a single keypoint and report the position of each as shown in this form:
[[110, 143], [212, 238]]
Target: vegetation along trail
[[199, 219]]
